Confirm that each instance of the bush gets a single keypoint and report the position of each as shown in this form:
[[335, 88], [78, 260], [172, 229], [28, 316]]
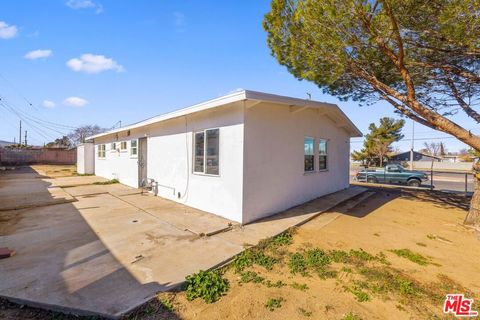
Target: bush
[[208, 285]]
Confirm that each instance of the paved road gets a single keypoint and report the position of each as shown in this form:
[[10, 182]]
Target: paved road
[[444, 181]]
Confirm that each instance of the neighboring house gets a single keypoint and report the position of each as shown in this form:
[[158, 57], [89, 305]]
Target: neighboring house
[[5, 143], [417, 156], [243, 156]]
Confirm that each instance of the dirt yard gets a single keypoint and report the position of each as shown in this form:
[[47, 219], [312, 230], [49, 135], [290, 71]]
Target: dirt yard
[[393, 256], [371, 282], [55, 171]]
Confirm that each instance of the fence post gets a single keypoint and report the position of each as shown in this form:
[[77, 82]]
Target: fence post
[[431, 179]]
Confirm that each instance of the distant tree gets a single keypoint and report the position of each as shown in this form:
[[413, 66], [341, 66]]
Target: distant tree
[[434, 149], [443, 150], [422, 57], [378, 142], [63, 142], [79, 135]]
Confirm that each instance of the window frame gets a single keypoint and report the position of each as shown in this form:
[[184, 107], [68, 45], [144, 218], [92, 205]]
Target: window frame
[[134, 148], [126, 146], [194, 140], [101, 149], [113, 146], [322, 155], [304, 155]]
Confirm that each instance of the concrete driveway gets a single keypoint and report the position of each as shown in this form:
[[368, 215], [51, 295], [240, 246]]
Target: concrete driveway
[[106, 249]]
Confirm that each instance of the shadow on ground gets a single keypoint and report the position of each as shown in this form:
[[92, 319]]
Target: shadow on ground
[[63, 262]]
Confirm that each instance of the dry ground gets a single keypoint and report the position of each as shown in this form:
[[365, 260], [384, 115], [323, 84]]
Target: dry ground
[[428, 225], [375, 283], [55, 171]]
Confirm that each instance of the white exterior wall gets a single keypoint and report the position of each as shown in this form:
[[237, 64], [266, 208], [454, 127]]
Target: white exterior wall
[[170, 158], [85, 158], [274, 177], [261, 159], [117, 164]]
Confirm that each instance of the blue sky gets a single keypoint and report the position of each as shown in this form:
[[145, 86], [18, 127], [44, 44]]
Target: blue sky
[[97, 62]]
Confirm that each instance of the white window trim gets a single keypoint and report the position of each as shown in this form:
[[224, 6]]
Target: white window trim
[[204, 173], [126, 146], [326, 154], [316, 155], [133, 156], [104, 151], [314, 167], [113, 149]]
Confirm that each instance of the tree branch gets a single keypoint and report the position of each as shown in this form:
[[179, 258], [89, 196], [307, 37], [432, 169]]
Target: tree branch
[[408, 113], [468, 110]]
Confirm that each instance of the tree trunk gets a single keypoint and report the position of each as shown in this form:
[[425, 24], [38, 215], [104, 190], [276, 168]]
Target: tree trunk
[[473, 216]]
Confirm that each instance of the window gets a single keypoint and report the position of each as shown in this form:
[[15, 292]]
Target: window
[[113, 146], [133, 148], [207, 152], [123, 146], [101, 151], [199, 152], [322, 154], [308, 154], [212, 151]]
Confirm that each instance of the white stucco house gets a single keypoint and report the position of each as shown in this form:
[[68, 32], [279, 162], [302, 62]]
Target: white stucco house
[[243, 156]]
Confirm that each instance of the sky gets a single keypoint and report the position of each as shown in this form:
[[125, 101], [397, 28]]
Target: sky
[[78, 62]]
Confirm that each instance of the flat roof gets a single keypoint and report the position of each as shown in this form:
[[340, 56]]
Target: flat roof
[[244, 95]]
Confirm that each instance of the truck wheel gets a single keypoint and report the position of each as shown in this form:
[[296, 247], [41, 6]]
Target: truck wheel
[[414, 183], [371, 180]]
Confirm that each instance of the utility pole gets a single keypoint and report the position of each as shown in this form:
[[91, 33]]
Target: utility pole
[[25, 138], [20, 134], [413, 145]]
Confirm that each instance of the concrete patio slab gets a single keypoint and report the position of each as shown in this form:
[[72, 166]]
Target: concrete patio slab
[[183, 217], [90, 189], [251, 234], [110, 252], [74, 181]]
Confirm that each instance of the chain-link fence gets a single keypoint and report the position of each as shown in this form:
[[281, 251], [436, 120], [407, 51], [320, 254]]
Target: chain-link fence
[[446, 180]]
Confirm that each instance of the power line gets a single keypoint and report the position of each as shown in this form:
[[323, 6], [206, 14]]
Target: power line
[[18, 91]]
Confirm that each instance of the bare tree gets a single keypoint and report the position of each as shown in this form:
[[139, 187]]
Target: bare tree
[[79, 135]]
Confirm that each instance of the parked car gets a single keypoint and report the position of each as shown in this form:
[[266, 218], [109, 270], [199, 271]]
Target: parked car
[[392, 173]]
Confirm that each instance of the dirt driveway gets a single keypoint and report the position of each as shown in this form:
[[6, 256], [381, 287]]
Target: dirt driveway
[[90, 247]]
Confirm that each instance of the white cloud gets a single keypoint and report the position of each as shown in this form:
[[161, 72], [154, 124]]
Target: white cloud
[[49, 104], [7, 31], [75, 102], [37, 54], [91, 63], [85, 4]]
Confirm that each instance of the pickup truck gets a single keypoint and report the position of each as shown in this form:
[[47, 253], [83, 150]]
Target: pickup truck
[[392, 173]]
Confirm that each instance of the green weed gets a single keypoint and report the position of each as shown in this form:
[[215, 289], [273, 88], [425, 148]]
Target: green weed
[[297, 264], [412, 256], [277, 284], [167, 305], [208, 285], [304, 312], [274, 303], [299, 286], [250, 276], [253, 256], [102, 183], [351, 316]]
